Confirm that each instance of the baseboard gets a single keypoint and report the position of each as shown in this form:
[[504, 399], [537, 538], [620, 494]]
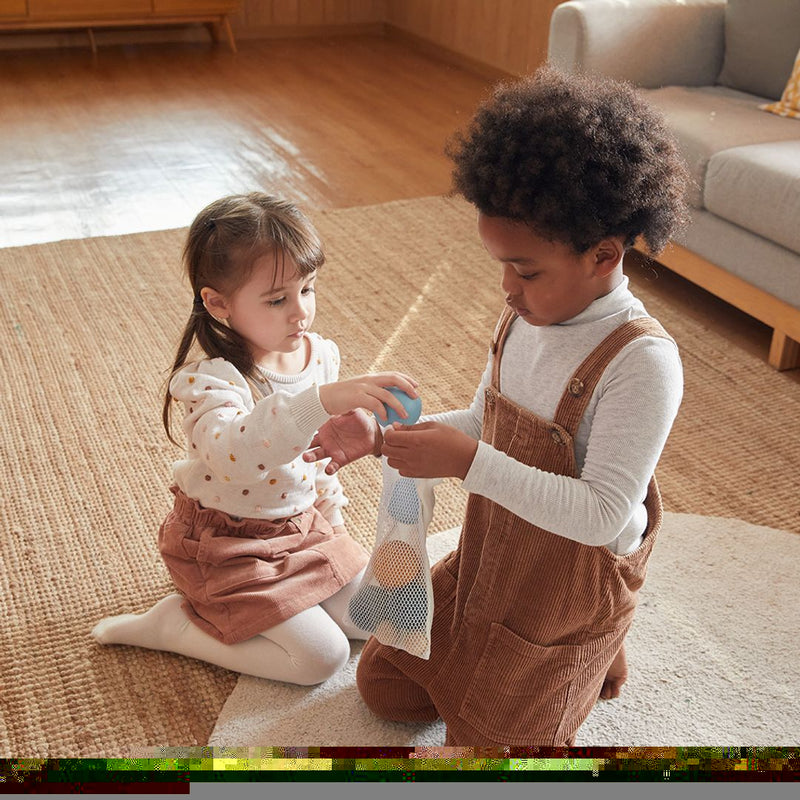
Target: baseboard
[[310, 31]]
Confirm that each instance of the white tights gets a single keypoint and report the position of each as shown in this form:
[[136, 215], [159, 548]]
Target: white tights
[[306, 649]]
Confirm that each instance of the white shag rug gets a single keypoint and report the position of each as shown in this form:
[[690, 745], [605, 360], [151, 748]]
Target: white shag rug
[[713, 655]]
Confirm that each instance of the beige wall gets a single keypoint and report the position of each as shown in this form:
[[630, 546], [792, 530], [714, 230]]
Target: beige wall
[[510, 35]]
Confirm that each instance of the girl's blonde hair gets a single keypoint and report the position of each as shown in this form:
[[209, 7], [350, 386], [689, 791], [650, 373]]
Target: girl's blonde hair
[[223, 243]]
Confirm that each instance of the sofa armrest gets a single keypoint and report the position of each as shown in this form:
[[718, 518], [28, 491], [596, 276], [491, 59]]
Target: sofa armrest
[[651, 43]]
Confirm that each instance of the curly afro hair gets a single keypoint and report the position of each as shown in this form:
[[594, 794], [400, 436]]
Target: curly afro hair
[[578, 158]]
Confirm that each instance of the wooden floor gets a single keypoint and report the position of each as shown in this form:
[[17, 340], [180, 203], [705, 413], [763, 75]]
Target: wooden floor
[[141, 137]]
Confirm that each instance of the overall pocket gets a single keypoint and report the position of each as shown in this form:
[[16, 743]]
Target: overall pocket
[[519, 692]]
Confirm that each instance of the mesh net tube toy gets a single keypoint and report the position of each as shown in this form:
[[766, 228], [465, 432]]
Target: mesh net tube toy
[[394, 601]]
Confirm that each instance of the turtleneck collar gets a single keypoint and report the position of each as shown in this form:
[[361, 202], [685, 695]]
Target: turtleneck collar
[[617, 300]]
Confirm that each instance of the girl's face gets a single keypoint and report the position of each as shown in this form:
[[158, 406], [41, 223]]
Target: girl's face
[[547, 282], [272, 311]]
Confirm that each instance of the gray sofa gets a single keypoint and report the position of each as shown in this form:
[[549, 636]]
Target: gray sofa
[[708, 65]]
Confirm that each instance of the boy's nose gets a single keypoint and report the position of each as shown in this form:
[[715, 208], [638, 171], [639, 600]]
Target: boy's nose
[[510, 281]]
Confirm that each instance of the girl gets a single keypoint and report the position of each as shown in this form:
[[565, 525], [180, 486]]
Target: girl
[[560, 443], [255, 541]]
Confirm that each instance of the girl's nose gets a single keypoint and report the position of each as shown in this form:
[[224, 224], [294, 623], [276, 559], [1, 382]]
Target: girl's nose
[[300, 310]]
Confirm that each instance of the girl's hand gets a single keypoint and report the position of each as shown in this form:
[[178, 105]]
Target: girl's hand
[[429, 450], [344, 439], [367, 391]]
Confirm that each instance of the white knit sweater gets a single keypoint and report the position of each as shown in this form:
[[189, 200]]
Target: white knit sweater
[[244, 456]]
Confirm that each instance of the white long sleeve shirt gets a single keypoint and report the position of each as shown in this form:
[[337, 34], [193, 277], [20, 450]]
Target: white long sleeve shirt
[[245, 456], [619, 440]]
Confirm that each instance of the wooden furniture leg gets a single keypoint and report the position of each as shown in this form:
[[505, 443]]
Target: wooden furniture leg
[[222, 29], [784, 353]]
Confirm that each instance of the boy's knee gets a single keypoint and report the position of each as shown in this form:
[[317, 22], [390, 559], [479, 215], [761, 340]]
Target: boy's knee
[[389, 694]]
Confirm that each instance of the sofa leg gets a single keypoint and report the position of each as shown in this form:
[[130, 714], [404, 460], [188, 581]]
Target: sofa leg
[[784, 353]]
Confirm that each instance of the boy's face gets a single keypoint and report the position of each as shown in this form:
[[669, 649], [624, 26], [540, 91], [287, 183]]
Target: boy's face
[[547, 282]]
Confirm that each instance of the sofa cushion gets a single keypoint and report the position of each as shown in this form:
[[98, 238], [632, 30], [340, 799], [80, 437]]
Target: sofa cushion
[[709, 119], [758, 188], [761, 41]]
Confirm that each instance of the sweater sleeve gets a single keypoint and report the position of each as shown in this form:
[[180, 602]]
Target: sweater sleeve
[[636, 403], [467, 420], [238, 439]]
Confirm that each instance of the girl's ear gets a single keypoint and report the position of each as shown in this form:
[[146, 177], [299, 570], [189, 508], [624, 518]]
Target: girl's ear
[[215, 303], [608, 255]]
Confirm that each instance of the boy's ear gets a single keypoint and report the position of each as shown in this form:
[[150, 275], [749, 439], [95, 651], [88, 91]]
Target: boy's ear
[[215, 303], [608, 254]]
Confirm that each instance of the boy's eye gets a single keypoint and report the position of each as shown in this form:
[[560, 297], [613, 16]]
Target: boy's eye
[[530, 276]]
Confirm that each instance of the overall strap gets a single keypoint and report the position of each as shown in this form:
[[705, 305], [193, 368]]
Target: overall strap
[[582, 384], [498, 340]]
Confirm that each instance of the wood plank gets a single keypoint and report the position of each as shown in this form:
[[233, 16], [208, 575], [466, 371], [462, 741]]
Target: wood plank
[[507, 35], [285, 12], [13, 8], [311, 12]]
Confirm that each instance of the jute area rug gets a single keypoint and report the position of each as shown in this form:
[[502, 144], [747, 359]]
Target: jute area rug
[[89, 328]]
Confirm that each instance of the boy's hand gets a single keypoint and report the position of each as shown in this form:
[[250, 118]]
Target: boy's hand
[[369, 392], [429, 450], [344, 439]]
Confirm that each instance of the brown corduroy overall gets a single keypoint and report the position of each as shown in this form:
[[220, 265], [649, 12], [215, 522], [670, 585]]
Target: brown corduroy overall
[[526, 623]]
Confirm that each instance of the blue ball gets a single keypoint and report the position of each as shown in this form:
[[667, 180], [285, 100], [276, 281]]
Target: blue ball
[[404, 502], [368, 606], [413, 408], [409, 605]]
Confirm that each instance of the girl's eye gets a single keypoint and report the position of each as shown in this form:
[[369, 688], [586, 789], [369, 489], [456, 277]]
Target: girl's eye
[[309, 290], [530, 277], [277, 302]]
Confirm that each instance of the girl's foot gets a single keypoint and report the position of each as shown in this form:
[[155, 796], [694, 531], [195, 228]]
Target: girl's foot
[[144, 630]]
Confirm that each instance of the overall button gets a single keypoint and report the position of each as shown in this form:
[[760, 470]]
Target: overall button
[[556, 436], [576, 387]]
